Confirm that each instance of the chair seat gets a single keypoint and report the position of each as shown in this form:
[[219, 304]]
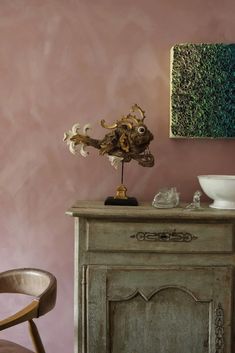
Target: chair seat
[[11, 347]]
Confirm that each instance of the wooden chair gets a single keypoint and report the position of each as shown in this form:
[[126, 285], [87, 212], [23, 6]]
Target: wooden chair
[[39, 284]]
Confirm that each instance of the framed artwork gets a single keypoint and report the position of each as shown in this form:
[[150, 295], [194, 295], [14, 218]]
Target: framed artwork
[[202, 91]]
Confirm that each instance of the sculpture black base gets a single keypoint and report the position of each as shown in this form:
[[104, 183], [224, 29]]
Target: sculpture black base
[[130, 201]]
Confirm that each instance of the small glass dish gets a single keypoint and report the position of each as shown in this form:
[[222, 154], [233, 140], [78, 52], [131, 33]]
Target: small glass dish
[[166, 198]]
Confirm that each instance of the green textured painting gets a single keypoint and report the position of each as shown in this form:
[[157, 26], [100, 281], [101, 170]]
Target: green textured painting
[[203, 91]]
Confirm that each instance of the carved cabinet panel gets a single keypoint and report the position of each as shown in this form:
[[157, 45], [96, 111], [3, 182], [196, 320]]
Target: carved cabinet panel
[[161, 310], [153, 281]]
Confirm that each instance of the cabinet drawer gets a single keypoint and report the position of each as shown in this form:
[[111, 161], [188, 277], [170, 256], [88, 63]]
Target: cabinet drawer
[[159, 237]]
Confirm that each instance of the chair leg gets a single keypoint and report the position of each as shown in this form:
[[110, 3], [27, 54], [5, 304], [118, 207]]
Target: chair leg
[[36, 337]]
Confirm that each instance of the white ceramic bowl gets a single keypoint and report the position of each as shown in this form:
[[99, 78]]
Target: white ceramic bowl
[[221, 189]]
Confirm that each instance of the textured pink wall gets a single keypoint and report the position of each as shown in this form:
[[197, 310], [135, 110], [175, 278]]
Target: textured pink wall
[[63, 61]]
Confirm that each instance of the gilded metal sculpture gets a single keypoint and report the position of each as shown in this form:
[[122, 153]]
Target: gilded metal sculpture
[[128, 138]]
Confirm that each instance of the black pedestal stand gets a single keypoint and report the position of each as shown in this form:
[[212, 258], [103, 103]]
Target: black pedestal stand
[[121, 199]]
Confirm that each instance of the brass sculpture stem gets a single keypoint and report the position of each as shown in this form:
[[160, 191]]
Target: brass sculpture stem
[[121, 190]]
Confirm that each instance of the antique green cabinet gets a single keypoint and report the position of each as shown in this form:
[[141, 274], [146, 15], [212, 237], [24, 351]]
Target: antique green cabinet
[[153, 281]]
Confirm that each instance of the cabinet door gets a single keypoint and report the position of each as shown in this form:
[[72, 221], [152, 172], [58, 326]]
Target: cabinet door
[[157, 310]]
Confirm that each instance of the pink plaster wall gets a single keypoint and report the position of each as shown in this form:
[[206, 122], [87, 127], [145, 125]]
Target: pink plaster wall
[[63, 61]]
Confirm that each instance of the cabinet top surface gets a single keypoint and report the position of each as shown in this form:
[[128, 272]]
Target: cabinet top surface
[[96, 209]]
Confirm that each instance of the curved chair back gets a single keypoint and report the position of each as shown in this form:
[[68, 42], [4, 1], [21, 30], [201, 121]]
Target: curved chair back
[[39, 284]]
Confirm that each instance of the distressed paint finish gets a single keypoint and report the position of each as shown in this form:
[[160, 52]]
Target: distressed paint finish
[[153, 326], [165, 298], [140, 237]]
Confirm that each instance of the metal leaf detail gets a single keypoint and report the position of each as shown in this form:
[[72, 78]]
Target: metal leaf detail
[[165, 236], [219, 329]]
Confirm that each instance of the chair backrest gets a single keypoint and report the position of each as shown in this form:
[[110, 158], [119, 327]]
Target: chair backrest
[[38, 283]]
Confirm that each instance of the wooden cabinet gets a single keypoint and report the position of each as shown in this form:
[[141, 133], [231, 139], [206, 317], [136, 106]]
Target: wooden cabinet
[[153, 281]]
